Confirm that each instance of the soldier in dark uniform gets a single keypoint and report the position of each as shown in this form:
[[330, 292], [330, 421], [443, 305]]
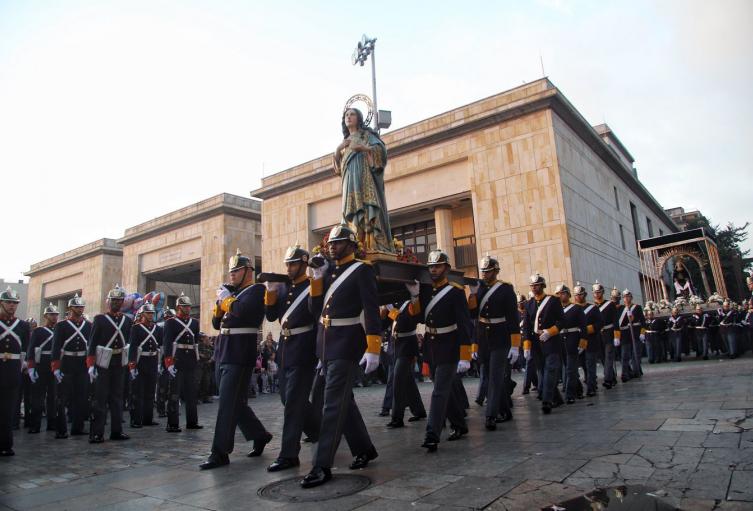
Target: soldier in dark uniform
[[531, 373], [238, 315], [181, 351], [107, 359], [573, 334], [297, 356], [544, 317], [144, 346], [39, 358], [727, 330], [69, 349], [631, 323], [593, 337], [699, 323], [14, 336], [493, 304], [448, 334], [163, 379], [675, 327], [343, 294], [404, 390], [610, 336], [204, 372], [654, 332]]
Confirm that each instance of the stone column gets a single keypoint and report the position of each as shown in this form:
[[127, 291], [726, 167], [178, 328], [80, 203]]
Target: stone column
[[443, 223]]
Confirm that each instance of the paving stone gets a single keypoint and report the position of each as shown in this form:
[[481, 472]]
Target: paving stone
[[741, 486]]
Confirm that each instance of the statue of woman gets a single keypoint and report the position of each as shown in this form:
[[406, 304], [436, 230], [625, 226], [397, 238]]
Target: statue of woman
[[681, 279], [360, 160]]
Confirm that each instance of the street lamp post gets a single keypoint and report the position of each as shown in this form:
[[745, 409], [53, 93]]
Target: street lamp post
[[365, 48]]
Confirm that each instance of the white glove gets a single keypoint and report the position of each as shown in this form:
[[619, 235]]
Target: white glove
[[222, 293], [474, 355], [544, 336], [389, 307], [92, 374], [33, 375], [580, 351], [413, 288], [643, 337], [474, 288], [513, 354], [371, 360], [616, 342], [160, 369], [134, 373], [319, 365], [172, 370], [527, 354], [58, 375], [24, 365], [319, 273], [463, 366]]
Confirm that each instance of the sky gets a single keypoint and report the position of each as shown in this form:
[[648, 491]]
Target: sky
[[113, 113]]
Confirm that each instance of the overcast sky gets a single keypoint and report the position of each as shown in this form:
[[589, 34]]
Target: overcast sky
[[112, 113]]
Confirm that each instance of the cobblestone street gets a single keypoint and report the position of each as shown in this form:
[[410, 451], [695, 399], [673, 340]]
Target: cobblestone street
[[685, 431]]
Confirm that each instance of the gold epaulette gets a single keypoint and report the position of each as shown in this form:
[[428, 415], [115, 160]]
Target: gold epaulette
[[455, 284], [365, 261]]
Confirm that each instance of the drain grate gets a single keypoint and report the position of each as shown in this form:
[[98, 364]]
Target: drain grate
[[289, 490]]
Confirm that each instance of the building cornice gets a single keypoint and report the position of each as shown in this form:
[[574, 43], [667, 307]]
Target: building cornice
[[104, 246]]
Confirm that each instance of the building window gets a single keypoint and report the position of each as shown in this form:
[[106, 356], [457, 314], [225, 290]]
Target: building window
[[616, 199], [636, 224], [622, 237], [650, 227], [420, 238], [661, 231]]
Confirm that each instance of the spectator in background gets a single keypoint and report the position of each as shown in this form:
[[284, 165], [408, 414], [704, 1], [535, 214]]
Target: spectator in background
[[204, 372]]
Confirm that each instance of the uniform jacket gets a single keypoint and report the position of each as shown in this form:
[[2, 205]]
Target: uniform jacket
[[403, 331], [574, 328], [149, 339], [609, 316], [102, 331], [550, 319], [41, 337], [10, 369], [502, 303], [636, 325], [594, 324], [70, 337], [245, 311], [177, 336], [293, 349]]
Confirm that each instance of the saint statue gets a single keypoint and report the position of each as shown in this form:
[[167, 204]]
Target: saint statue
[[681, 279], [360, 160]]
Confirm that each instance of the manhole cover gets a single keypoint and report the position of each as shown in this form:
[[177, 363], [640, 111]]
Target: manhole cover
[[289, 490], [617, 498]]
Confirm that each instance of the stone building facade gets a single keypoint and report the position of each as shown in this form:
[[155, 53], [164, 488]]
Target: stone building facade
[[520, 175]]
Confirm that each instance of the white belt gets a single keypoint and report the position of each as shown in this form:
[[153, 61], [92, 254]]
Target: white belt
[[606, 327], [10, 356], [184, 346], [700, 327], [569, 330], [405, 334], [238, 331], [287, 332], [676, 329], [441, 330], [74, 353], [117, 351], [629, 325], [149, 353], [651, 332], [492, 321], [45, 352], [328, 322]]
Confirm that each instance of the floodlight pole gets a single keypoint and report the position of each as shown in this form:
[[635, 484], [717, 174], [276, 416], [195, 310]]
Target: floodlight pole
[[373, 84]]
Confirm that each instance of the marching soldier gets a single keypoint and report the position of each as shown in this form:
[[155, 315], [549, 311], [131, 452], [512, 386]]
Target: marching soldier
[[531, 375], [654, 331], [106, 360], [144, 346], [69, 349], [404, 390], [343, 294], [610, 336], [39, 357], [14, 336], [573, 333], [592, 336], [163, 379], [675, 328], [699, 322], [727, 330], [631, 321], [448, 334], [181, 354], [297, 351], [493, 304], [238, 315], [544, 316]]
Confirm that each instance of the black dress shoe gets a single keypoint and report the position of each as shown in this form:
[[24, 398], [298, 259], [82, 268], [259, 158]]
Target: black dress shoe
[[33, 430], [61, 436], [173, 429], [119, 436], [96, 439], [503, 417], [479, 402], [430, 444], [259, 446], [384, 413], [362, 460], [136, 426], [78, 432], [457, 434], [417, 418], [7, 452], [570, 401], [194, 426], [490, 424], [311, 439], [396, 423], [606, 385], [590, 394], [214, 462], [625, 379], [283, 464], [317, 477], [151, 423], [546, 407]]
